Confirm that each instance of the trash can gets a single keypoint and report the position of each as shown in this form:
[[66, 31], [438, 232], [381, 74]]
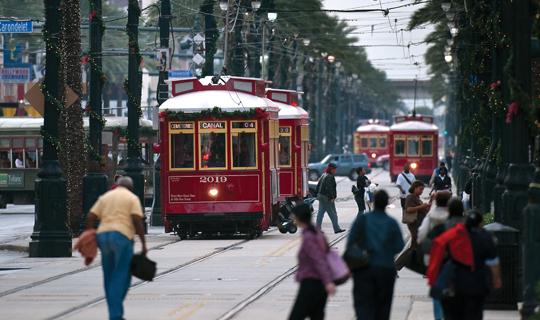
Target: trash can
[[507, 242]]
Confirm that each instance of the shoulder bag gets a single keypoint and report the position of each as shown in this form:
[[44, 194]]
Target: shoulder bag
[[408, 217], [356, 255]]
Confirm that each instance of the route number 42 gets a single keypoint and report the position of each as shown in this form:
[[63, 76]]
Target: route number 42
[[213, 179]]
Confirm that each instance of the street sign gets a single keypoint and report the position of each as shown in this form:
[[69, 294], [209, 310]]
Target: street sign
[[15, 75], [180, 74], [10, 26]]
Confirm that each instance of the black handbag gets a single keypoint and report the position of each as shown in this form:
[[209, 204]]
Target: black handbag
[[142, 267], [356, 256]]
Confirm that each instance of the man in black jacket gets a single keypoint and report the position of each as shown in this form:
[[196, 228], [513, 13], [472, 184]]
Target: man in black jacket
[[442, 181], [327, 194]]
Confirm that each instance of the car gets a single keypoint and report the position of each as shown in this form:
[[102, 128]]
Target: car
[[384, 162], [346, 165]]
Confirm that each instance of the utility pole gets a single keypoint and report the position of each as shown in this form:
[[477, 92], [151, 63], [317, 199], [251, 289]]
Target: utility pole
[[133, 90], [51, 236], [95, 181], [162, 95]]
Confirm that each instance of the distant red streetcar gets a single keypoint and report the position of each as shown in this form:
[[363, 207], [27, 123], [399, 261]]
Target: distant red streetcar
[[293, 148], [414, 139], [372, 139], [219, 169]]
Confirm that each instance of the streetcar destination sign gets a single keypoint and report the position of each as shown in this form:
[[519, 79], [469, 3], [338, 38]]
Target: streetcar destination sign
[[181, 125], [212, 125], [10, 26], [244, 125]]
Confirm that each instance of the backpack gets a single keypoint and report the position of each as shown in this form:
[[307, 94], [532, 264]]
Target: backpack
[[319, 185]]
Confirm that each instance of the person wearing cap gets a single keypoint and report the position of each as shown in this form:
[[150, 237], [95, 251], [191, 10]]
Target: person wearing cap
[[327, 194]]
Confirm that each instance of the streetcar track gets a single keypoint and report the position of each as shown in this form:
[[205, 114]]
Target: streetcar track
[[100, 299], [67, 274], [266, 288]]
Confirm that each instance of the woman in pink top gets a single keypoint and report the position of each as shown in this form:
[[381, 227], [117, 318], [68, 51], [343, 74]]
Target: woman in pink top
[[313, 270]]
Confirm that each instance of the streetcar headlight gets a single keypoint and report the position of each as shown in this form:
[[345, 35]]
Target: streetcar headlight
[[213, 192], [374, 155], [414, 165]]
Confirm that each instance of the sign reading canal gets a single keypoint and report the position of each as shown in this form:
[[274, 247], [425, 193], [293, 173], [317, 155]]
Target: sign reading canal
[[212, 125]]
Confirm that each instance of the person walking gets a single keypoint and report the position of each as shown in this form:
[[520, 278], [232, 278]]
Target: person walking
[[433, 225], [413, 215], [374, 285], [120, 214], [436, 172], [362, 182], [327, 194], [472, 255], [313, 272], [442, 181], [404, 182]]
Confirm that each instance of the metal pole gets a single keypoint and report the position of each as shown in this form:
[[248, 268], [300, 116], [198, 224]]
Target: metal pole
[[162, 95], [226, 30], [51, 236], [95, 181], [263, 51], [134, 165]]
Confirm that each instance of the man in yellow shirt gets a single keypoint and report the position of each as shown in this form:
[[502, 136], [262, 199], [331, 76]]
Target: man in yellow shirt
[[121, 216]]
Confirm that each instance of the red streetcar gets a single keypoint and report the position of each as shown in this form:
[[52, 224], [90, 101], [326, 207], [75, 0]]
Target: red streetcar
[[293, 146], [372, 139], [413, 139], [219, 142]]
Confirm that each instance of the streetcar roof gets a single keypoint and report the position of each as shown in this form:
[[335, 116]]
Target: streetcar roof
[[414, 126], [226, 100], [35, 123], [287, 111], [372, 128]]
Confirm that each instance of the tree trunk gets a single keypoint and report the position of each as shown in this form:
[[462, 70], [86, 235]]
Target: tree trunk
[[73, 136]]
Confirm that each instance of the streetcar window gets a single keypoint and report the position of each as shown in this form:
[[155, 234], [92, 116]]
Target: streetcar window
[[364, 142], [18, 159], [18, 143], [4, 159], [212, 147], [427, 146], [30, 157], [399, 147], [413, 146], [382, 143], [285, 151], [373, 143], [182, 150], [5, 143], [244, 149]]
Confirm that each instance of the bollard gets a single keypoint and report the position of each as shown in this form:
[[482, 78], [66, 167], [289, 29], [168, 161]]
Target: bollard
[[507, 242]]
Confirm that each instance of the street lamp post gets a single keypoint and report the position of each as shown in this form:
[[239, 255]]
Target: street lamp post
[[95, 181], [51, 236], [224, 5], [134, 165]]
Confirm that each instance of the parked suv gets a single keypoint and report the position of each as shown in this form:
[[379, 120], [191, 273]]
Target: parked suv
[[346, 165]]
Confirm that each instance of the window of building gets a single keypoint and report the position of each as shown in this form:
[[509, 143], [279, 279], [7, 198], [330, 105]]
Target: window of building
[[212, 145], [182, 145], [399, 146], [427, 146], [413, 146], [244, 144], [285, 146]]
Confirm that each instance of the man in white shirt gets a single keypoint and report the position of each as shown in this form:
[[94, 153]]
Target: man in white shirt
[[403, 182], [18, 162]]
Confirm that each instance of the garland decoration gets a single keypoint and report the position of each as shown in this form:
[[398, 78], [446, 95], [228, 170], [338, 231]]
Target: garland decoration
[[215, 113]]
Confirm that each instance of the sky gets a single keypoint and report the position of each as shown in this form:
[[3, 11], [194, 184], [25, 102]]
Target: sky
[[382, 36]]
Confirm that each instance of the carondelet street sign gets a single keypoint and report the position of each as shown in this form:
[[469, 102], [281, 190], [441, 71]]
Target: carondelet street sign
[[11, 26]]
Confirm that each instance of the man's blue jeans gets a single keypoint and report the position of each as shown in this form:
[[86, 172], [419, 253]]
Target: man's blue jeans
[[325, 205], [116, 253]]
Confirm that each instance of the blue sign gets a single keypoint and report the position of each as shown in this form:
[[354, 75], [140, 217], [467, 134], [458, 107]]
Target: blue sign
[[180, 74], [10, 26], [20, 74], [13, 51]]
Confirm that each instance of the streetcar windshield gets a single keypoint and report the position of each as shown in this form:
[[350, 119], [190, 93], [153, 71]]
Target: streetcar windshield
[[284, 151], [373, 143], [399, 146], [182, 150], [364, 142], [212, 147], [244, 149], [427, 146], [413, 146], [382, 143]]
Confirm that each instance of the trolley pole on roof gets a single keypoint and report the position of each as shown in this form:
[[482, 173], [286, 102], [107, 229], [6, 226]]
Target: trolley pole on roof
[[95, 181], [51, 236], [133, 90], [162, 95]]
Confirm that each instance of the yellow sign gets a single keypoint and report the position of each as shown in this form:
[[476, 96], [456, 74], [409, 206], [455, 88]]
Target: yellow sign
[[37, 100]]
